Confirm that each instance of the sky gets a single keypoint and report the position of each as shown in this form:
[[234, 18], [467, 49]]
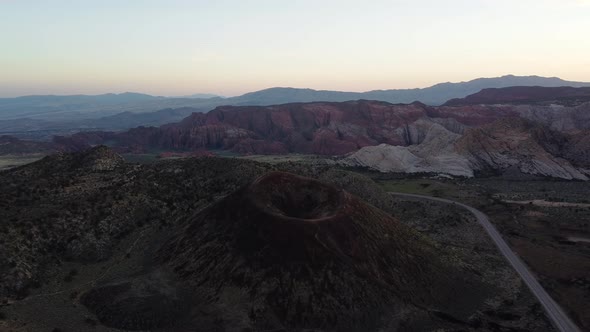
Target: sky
[[229, 47]]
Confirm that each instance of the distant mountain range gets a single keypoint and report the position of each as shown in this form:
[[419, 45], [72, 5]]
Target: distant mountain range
[[534, 130], [434, 95], [127, 110], [201, 96], [77, 107]]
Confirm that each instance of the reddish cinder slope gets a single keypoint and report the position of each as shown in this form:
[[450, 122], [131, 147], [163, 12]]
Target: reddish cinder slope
[[314, 256]]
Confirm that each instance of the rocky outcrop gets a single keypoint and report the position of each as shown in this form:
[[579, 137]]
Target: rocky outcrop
[[507, 144], [97, 159], [577, 149], [433, 153], [101, 158], [398, 159], [520, 144], [558, 117]]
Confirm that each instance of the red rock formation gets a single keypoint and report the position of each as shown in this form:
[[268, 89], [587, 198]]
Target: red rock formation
[[477, 115], [327, 128], [313, 128]]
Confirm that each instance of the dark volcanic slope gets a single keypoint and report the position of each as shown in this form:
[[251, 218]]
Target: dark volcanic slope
[[307, 254], [88, 241], [525, 94]]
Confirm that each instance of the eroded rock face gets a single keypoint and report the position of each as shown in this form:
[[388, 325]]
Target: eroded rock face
[[399, 159], [517, 143], [433, 153], [577, 149], [558, 117], [507, 144]]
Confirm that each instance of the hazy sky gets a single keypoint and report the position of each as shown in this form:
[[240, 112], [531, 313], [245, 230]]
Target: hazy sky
[[228, 47]]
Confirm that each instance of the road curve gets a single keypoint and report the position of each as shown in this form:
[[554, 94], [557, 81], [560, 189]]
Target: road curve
[[558, 317]]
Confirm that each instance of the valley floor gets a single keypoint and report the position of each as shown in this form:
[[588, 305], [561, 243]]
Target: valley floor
[[10, 161], [546, 222]]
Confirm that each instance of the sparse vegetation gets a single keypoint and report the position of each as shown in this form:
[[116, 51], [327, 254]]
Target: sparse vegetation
[[114, 210]]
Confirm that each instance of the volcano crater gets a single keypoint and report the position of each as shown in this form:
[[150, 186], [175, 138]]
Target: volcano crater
[[287, 196]]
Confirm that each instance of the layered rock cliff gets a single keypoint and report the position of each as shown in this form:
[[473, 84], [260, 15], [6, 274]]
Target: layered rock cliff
[[516, 143], [506, 144]]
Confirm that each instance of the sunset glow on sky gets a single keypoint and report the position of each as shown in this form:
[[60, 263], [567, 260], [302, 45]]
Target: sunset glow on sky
[[229, 47]]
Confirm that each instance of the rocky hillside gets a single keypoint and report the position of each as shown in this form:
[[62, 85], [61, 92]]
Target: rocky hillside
[[512, 144], [433, 153], [91, 242], [520, 144]]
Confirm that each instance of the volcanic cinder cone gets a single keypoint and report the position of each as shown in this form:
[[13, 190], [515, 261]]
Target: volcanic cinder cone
[[296, 253]]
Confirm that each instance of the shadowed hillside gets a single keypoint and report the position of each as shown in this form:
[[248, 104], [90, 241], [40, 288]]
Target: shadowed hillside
[[228, 244]]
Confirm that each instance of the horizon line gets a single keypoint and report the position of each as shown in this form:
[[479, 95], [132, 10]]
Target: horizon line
[[214, 95]]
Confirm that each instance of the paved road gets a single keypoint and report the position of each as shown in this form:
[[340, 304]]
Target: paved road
[[559, 318]]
